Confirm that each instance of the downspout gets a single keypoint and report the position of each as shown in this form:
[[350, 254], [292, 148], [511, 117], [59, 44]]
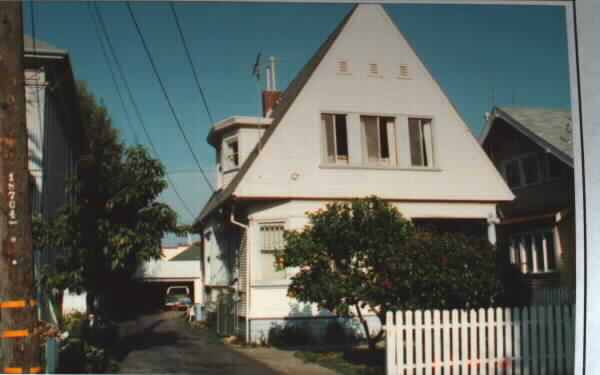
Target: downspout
[[247, 291]]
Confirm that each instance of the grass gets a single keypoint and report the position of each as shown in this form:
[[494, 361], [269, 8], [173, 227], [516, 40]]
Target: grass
[[346, 361]]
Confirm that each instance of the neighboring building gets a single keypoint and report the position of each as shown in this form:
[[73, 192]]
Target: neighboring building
[[54, 140], [363, 117], [532, 148], [180, 265], [55, 137]]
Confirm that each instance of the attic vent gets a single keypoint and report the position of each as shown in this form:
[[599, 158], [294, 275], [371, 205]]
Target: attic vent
[[404, 71], [373, 69], [343, 66]]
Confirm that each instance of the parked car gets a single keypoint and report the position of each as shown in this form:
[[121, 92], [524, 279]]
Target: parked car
[[178, 297]]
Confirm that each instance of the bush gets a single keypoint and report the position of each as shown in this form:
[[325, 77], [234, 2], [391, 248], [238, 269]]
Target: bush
[[337, 334], [290, 335]]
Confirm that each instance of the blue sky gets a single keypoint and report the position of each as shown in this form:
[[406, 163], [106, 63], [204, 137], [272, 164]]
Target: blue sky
[[479, 54]]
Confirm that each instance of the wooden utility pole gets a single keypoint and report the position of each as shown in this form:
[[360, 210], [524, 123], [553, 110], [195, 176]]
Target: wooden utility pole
[[20, 343]]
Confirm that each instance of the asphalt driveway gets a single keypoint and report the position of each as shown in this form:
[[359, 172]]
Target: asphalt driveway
[[160, 343]]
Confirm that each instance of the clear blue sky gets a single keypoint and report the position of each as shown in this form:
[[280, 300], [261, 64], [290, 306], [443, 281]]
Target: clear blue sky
[[511, 55]]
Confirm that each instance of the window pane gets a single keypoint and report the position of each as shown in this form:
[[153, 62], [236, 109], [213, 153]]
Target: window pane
[[341, 134], [416, 144], [512, 173], [531, 169], [551, 251], [383, 137], [327, 121], [269, 272], [539, 246], [371, 133]]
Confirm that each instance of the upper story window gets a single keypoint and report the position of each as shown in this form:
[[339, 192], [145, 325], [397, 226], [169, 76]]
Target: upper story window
[[533, 252], [336, 138], [231, 157], [522, 171], [421, 142], [379, 140], [271, 240]]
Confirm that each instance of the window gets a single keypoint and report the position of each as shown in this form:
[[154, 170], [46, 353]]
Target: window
[[231, 154], [336, 138], [271, 240], [421, 142], [523, 171], [379, 138], [533, 252]]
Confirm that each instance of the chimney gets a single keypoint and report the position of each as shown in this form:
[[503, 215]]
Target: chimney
[[270, 100], [271, 96]]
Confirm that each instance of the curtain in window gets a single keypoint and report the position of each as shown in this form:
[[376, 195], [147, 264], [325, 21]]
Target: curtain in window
[[416, 149], [428, 144]]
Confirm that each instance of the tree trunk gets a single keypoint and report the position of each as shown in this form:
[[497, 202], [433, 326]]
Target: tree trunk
[[365, 325]]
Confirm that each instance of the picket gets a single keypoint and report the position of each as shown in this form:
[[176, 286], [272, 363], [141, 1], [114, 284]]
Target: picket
[[535, 340]]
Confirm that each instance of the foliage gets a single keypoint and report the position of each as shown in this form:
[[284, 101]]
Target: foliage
[[290, 335], [337, 334], [365, 254], [114, 221]]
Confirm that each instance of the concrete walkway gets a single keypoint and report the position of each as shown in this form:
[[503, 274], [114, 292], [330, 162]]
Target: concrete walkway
[[161, 343]]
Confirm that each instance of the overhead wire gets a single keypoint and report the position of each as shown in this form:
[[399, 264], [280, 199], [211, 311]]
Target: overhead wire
[[189, 58], [136, 108], [166, 95], [112, 73]]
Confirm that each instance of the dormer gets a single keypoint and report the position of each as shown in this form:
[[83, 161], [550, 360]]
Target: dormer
[[233, 139]]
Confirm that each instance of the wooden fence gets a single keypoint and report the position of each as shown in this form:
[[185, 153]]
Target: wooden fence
[[535, 340]]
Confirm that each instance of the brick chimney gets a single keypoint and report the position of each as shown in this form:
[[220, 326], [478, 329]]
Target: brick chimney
[[269, 101]]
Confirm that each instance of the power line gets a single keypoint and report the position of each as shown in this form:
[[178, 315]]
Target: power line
[[189, 58], [112, 73], [139, 31], [136, 108]]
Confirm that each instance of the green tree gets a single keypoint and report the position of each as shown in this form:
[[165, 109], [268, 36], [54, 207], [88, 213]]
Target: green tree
[[114, 221], [366, 255]]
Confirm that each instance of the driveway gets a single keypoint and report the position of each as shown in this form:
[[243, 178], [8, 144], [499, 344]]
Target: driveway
[[162, 343]]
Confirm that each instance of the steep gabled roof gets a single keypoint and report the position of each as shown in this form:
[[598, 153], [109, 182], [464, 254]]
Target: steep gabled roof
[[551, 129], [290, 94]]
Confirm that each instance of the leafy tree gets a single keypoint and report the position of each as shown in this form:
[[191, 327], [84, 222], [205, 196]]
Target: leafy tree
[[114, 221], [366, 255]]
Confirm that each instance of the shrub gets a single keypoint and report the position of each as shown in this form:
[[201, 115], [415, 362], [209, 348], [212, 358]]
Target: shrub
[[290, 335]]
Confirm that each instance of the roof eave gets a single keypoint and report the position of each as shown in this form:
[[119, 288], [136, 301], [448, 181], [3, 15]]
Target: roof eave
[[497, 113]]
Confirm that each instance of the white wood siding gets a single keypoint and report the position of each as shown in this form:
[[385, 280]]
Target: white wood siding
[[463, 170]]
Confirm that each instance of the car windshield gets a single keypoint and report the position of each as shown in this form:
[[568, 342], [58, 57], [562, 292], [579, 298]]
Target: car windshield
[[177, 291]]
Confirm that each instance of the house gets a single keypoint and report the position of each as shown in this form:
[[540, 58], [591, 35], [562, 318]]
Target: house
[[532, 148], [55, 137], [363, 117]]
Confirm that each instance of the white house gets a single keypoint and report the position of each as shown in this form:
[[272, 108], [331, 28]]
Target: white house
[[363, 117]]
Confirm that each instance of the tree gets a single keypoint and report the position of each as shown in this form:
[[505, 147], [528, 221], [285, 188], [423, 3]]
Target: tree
[[366, 255], [114, 222]]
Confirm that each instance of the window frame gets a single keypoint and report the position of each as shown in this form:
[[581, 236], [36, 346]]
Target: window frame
[[260, 280], [324, 143], [520, 252], [428, 150], [392, 147], [226, 163]]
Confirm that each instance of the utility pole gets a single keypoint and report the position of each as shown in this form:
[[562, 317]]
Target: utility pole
[[20, 342]]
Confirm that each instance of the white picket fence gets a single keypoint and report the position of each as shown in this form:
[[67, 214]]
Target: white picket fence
[[535, 340]]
